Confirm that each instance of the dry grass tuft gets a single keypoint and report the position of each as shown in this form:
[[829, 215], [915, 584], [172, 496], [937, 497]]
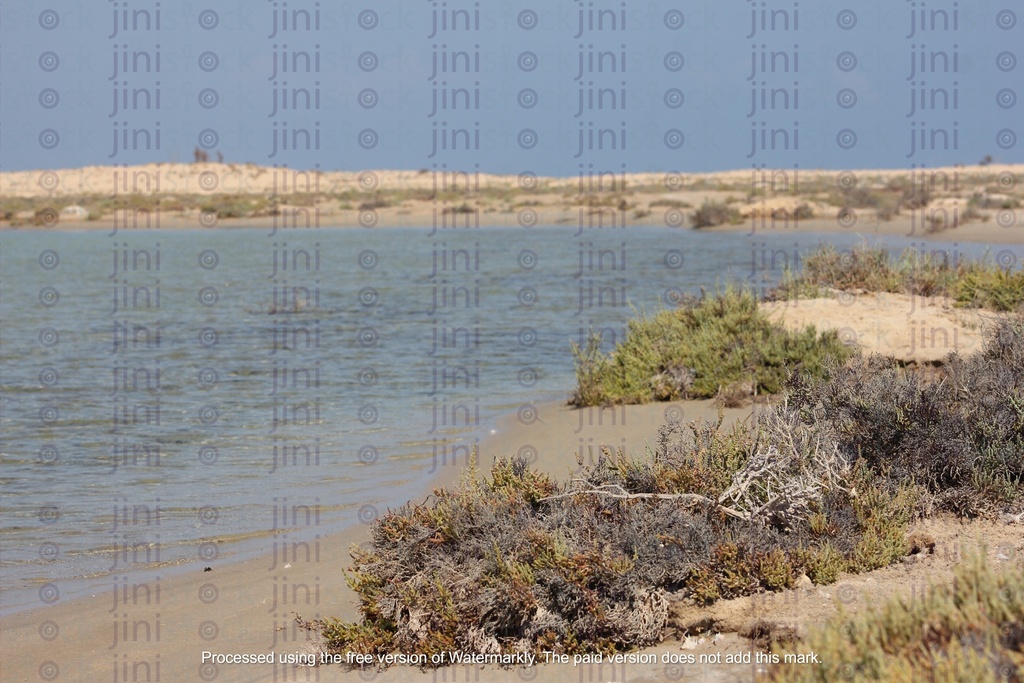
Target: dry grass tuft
[[970, 630]]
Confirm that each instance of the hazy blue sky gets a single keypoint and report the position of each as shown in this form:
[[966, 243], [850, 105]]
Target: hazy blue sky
[[842, 83]]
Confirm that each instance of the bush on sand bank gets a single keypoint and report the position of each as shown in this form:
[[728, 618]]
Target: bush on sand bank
[[969, 283], [705, 345]]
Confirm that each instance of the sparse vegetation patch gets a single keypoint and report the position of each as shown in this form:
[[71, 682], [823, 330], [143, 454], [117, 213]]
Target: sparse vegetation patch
[[969, 283], [969, 630], [712, 213]]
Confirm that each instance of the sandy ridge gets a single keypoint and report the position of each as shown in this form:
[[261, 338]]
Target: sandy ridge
[[181, 178]]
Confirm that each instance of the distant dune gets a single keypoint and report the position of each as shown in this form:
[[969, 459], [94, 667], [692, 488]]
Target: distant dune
[[198, 178], [982, 203]]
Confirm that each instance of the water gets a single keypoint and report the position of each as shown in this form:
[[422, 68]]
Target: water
[[235, 407]]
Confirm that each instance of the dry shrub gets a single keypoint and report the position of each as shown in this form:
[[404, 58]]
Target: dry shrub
[[975, 284], [515, 562], [712, 213], [827, 481], [961, 439]]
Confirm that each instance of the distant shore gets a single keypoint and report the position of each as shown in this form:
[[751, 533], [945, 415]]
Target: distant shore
[[969, 204], [228, 178]]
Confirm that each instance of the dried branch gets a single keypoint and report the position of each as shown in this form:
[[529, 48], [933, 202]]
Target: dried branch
[[782, 482], [619, 493]]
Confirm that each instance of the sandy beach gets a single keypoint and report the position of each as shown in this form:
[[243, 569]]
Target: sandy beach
[[248, 178], [911, 329]]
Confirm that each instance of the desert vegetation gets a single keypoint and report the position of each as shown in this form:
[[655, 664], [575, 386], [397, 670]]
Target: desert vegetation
[[712, 213], [969, 283], [971, 629], [826, 480], [707, 346], [934, 202], [148, 208]]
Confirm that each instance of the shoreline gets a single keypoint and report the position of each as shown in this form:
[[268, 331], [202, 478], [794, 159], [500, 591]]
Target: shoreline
[[425, 472], [975, 233], [244, 606]]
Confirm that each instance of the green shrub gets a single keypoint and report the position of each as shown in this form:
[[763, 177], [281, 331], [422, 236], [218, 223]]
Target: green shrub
[[980, 286], [823, 564], [697, 349], [776, 570], [884, 512]]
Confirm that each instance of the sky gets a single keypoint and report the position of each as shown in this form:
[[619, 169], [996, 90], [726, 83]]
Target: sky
[[554, 88]]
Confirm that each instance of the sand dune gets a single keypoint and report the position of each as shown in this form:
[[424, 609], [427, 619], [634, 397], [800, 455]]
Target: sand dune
[[178, 178]]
